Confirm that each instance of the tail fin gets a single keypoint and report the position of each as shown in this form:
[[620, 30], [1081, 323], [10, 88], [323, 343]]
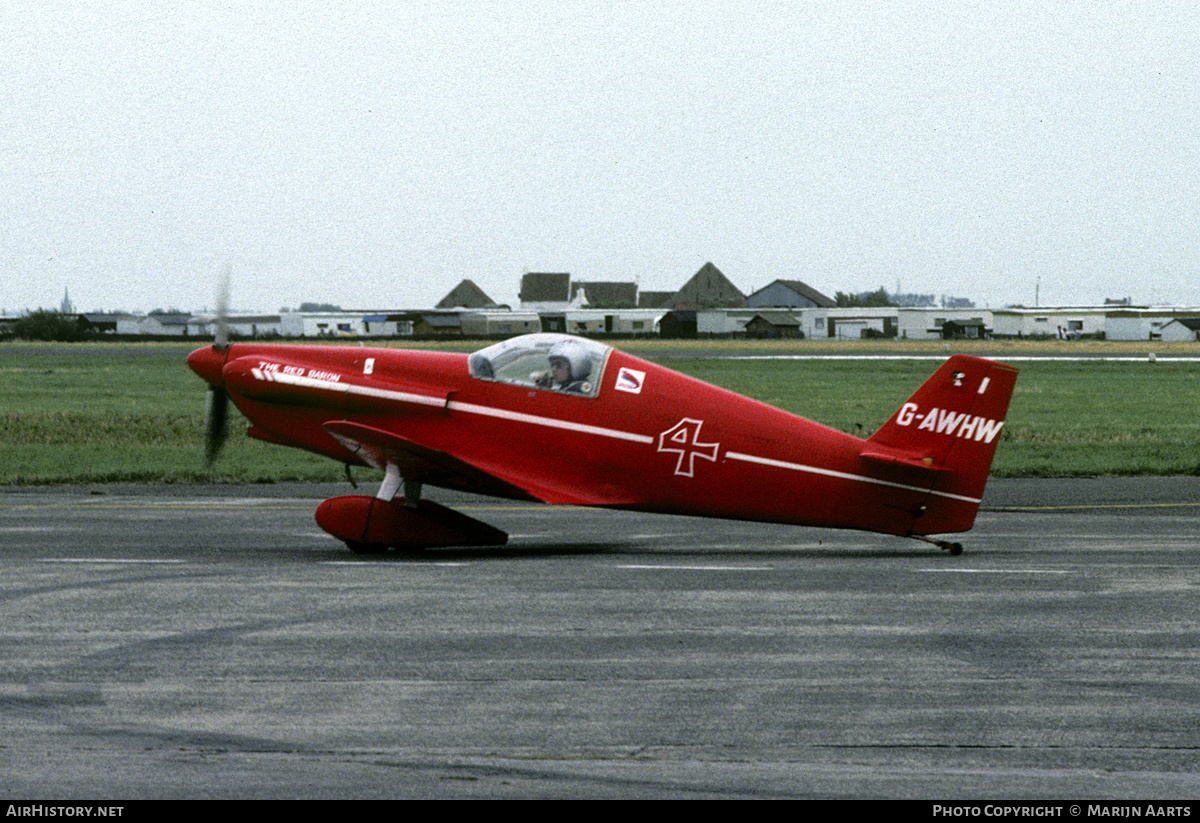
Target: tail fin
[[948, 432]]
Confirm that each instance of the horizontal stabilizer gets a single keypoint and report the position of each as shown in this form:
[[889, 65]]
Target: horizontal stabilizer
[[892, 458]]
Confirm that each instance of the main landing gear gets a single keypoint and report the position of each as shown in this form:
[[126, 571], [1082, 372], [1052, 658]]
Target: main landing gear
[[955, 549], [372, 525]]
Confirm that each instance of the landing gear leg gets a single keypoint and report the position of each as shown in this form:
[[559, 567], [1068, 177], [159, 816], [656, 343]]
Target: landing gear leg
[[412, 493], [391, 483], [387, 490]]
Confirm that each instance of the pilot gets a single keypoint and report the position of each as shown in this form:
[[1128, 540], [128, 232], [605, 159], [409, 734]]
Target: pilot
[[570, 366]]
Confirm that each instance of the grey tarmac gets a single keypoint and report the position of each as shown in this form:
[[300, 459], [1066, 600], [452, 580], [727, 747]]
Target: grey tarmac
[[212, 642]]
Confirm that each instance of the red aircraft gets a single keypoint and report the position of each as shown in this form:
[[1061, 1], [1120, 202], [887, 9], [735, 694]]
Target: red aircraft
[[562, 419]]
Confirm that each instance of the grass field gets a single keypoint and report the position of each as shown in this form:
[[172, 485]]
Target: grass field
[[92, 413]]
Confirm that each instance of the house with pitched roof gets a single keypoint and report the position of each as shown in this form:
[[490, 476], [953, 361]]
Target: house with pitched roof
[[606, 295], [1181, 330], [654, 299], [708, 289], [466, 295], [550, 291], [792, 294]]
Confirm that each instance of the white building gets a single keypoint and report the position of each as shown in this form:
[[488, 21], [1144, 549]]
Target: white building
[[603, 321], [174, 324], [324, 324], [849, 323], [490, 323], [1182, 330], [1061, 322], [1144, 323], [934, 323]]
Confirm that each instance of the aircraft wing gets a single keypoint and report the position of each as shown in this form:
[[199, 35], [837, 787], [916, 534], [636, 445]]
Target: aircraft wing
[[439, 468]]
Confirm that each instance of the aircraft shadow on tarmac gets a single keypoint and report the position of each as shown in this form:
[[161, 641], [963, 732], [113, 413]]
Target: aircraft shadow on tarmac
[[527, 551]]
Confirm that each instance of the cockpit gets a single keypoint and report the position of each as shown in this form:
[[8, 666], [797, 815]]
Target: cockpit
[[550, 362]]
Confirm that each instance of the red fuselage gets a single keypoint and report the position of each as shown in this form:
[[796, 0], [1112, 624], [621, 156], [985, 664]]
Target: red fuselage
[[648, 438]]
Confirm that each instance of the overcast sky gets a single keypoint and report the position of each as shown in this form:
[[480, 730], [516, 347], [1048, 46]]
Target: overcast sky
[[375, 154]]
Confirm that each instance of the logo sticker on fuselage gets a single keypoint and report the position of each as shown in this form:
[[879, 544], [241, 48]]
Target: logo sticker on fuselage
[[270, 371], [630, 380]]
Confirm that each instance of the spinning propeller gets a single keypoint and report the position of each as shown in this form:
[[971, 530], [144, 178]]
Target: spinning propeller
[[217, 405]]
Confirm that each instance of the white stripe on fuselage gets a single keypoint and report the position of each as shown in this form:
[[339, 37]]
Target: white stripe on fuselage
[[566, 425], [800, 467], [549, 422]]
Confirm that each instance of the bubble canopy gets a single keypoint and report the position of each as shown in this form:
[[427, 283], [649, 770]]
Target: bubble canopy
[[549, 362]]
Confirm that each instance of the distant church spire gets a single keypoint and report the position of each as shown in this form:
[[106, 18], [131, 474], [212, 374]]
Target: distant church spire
[[67, 306]]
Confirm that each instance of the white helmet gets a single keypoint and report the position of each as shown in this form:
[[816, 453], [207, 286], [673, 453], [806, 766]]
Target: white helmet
[[579, 362]]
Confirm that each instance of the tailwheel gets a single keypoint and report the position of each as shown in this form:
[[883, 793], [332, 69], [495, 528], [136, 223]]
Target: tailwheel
[[955, 549]]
